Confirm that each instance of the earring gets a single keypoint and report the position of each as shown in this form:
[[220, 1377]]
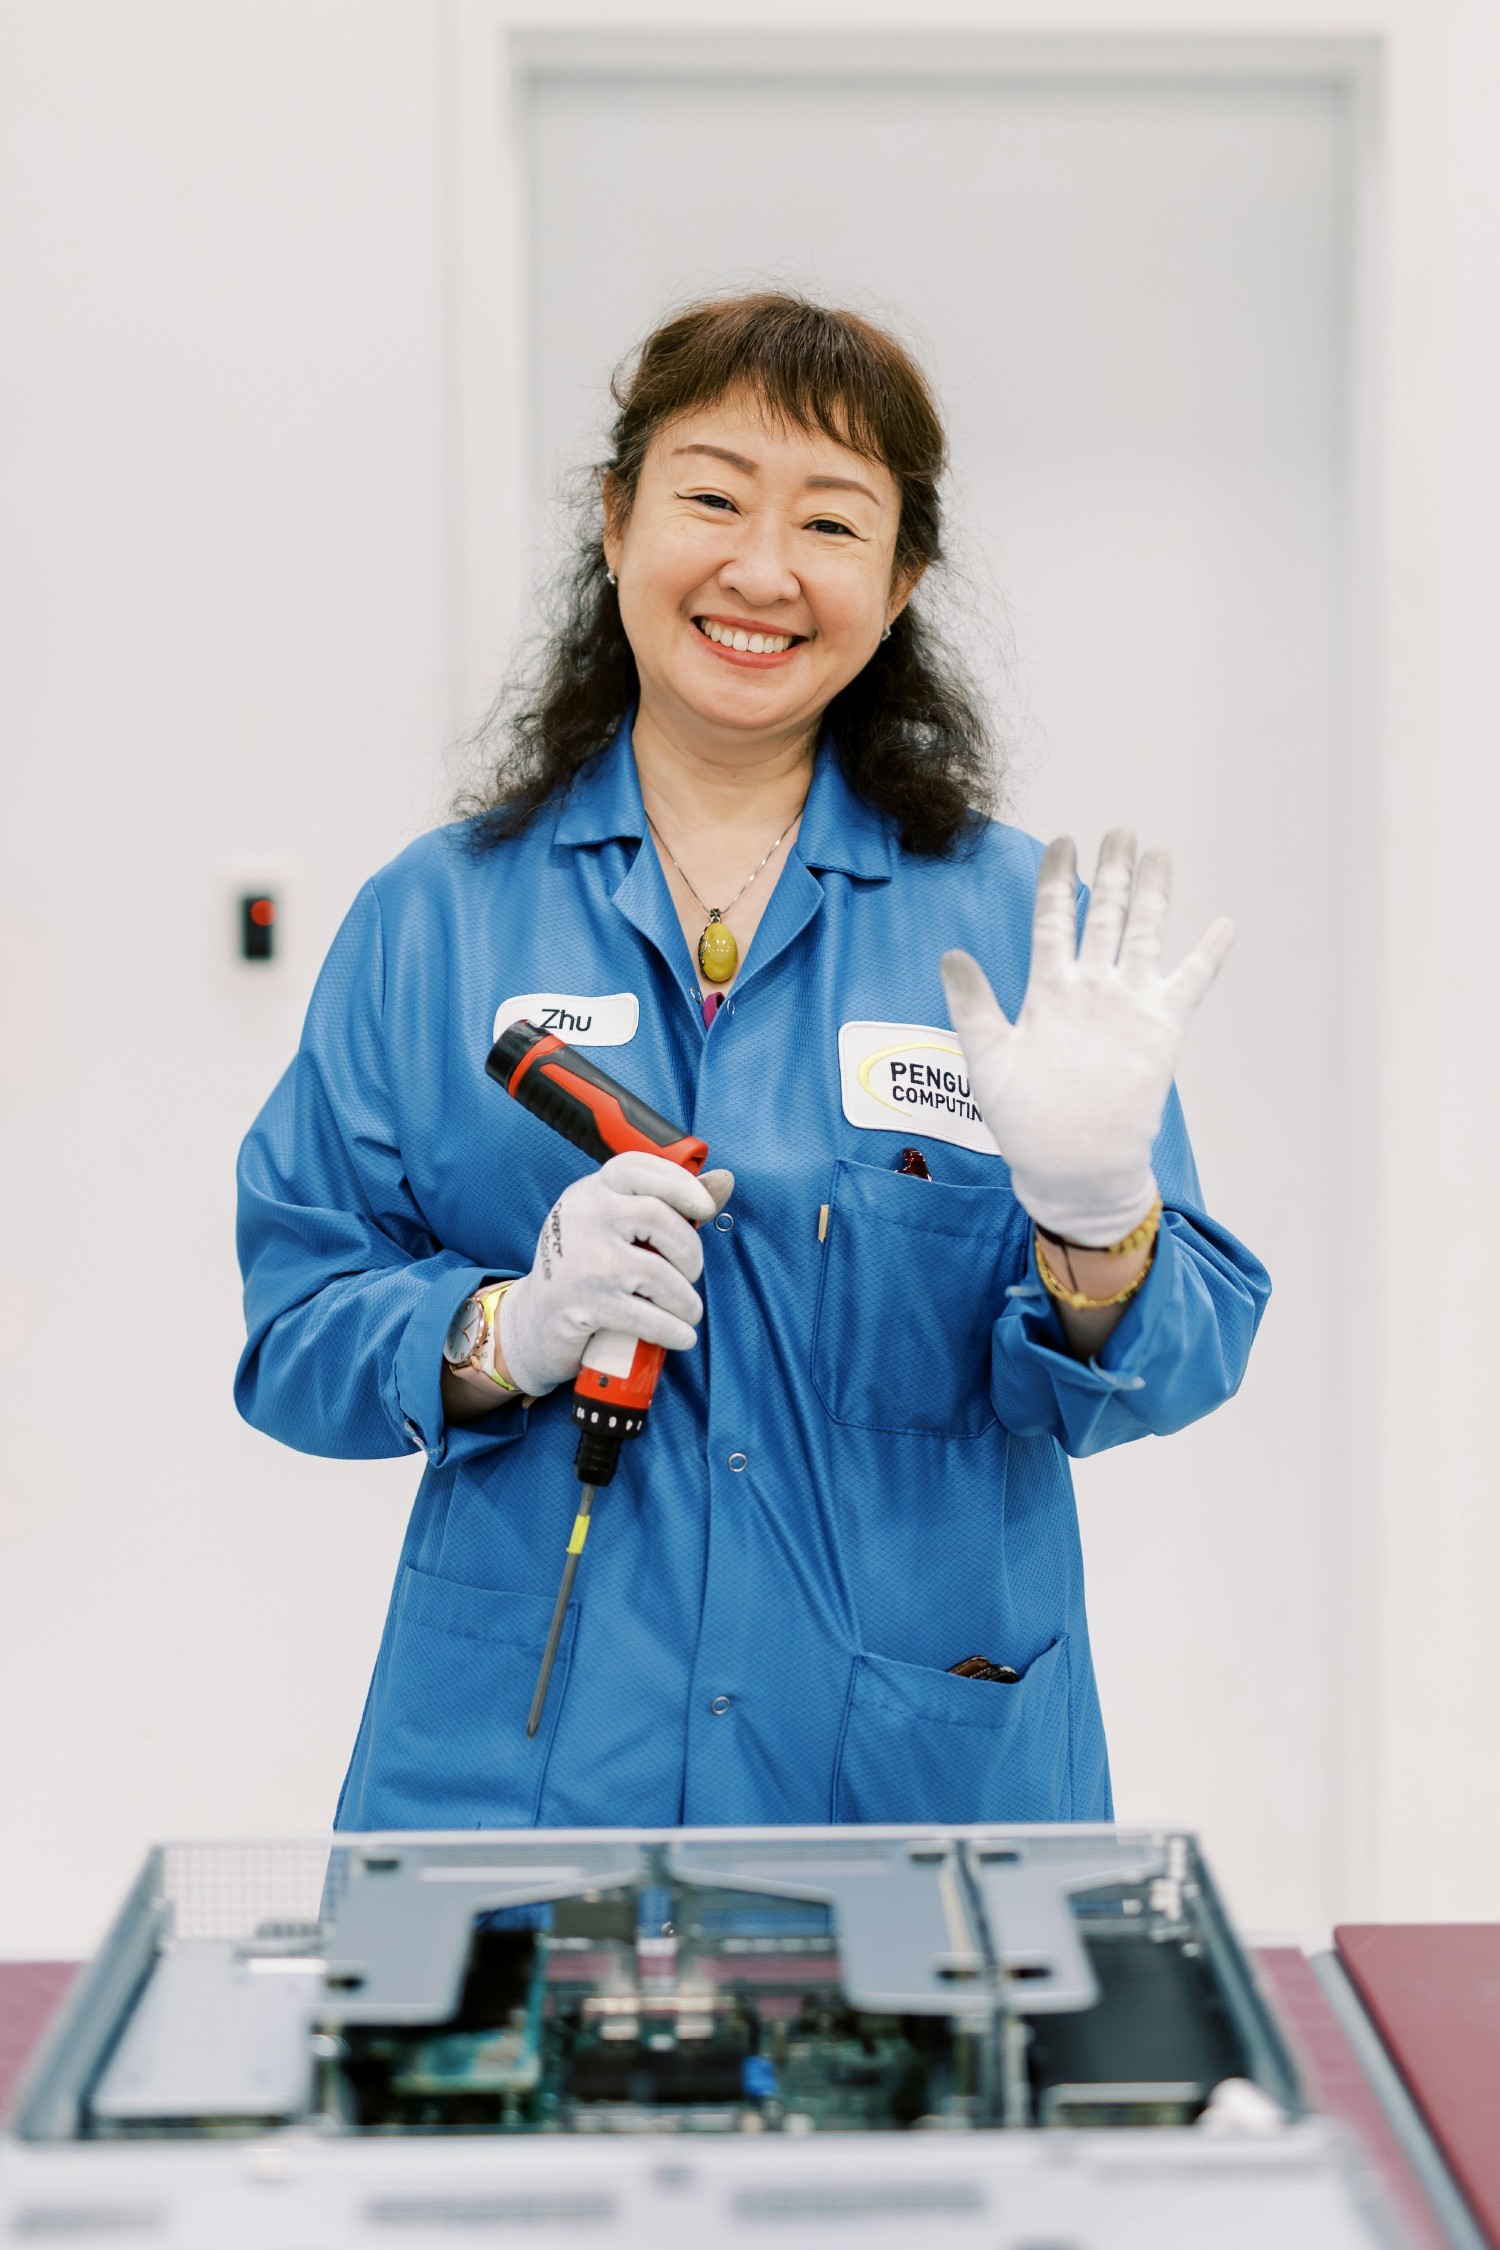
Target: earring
[[609, 574], [885, 636]]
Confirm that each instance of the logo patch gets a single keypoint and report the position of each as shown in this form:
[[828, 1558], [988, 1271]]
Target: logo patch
[[910, 1077], [606, 1021]]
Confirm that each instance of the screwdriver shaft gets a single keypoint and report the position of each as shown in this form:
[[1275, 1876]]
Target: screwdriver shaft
[[564, 1591]]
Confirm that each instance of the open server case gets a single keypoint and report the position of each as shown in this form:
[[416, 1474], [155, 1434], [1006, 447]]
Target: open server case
[[1034, 2038]]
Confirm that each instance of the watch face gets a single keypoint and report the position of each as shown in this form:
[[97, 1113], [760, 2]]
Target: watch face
[[464, 1334]]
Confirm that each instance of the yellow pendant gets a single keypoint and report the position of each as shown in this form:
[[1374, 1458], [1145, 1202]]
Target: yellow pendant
[[718, 955]]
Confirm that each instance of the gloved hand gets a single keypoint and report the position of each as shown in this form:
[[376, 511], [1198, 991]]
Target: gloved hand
[[1074, 1090], [592, 1270]]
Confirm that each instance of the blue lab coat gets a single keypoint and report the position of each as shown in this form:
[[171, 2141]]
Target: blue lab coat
[[857, 1478]]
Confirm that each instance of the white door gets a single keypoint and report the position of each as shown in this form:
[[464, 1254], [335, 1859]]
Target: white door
[[1134, 298]]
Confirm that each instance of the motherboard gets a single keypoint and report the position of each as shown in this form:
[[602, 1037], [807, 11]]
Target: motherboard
[[714, 2010]]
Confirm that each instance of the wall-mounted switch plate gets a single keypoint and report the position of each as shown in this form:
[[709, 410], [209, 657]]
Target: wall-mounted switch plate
[[258, 910], [258, 919]]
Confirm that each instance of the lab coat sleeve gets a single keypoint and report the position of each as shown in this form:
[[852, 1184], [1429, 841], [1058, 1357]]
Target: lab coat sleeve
[[1181, 1345], [348, 1294]]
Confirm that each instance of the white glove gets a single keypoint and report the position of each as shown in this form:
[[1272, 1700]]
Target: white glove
[[592, 1269], [1074, 1090]]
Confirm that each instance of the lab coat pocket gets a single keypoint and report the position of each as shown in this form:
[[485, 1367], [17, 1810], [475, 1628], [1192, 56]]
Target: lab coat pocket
[[925, 1745], [448, 1746], [910, 1289]]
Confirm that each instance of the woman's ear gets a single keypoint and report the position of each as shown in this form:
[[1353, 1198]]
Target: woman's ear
[[904, 584], [614, 520]]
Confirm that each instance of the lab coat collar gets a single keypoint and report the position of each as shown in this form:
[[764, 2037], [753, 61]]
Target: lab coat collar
[[604, 797], [838, 831]]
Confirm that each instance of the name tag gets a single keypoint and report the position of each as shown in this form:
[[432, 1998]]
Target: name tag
[[606, 1021], [910, 1077]]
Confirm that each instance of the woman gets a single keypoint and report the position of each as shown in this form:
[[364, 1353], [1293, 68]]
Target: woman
[[839, 1577]]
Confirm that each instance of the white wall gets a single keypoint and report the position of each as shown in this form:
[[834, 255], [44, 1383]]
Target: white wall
[[1433, 1691], [226, 606]]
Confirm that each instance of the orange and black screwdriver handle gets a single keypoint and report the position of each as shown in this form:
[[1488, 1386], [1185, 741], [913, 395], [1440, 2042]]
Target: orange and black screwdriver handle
[[616, 1383], [580, 1101]]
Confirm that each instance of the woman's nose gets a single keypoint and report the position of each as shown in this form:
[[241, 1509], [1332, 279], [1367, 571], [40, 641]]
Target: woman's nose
[[760, 570]]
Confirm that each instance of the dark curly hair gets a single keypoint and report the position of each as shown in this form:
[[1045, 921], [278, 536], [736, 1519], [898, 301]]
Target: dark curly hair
[[908, 730]]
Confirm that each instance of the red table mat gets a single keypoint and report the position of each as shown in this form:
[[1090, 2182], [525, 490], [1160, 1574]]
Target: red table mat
[[1432, 1991], [29, 1993], [1337, 2085]]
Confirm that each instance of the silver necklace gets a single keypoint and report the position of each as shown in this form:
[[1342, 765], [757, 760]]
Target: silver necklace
[[718, 951]]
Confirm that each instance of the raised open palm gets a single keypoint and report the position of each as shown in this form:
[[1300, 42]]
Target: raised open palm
[[1074, 1090]]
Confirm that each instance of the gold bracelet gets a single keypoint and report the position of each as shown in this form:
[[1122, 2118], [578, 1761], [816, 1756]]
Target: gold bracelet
[[1137, 1238], [489, 1300], [1075, 1298]]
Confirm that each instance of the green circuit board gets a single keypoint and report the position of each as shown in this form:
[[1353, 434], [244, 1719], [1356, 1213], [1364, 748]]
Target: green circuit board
[[701, 2011]]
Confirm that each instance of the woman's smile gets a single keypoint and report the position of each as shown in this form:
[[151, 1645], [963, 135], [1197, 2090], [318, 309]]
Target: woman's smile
[[740, 640]]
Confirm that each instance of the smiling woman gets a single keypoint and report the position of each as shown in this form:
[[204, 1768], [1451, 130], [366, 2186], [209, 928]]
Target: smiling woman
[[841, 1578]]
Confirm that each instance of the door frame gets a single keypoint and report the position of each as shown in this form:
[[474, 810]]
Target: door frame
[[1389, 58]]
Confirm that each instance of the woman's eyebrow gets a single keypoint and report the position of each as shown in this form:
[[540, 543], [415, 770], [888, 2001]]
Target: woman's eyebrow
[[840, 484], [751, 469], [720, 453]]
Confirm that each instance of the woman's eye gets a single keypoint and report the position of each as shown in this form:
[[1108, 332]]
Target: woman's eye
[[826, 523], [708, 499]]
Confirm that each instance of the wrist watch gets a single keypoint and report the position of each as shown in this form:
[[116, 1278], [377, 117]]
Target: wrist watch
[[469, 1346]]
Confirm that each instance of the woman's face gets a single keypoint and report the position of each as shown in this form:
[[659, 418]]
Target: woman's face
[[744, 531]]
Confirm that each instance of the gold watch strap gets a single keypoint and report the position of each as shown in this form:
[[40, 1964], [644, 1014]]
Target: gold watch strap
[[1144, 1236], [488, 1300]]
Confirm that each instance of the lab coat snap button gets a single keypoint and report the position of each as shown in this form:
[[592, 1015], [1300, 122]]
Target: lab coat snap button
[[725, 1222], [738, 1461], [719, 1706]]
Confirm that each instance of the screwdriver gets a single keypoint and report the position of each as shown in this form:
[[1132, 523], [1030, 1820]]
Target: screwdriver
[[614, 1386]]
